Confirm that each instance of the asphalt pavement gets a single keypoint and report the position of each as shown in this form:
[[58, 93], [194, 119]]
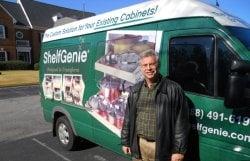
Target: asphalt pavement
[[44, 147], [25, 136], [21, 117], [21, 91]]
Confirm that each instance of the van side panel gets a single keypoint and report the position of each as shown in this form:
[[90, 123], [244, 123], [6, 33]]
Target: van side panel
[[68, 67]]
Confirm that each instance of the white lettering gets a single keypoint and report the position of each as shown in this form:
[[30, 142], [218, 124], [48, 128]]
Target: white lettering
[[64, 56], [221, 132], [45, 57]]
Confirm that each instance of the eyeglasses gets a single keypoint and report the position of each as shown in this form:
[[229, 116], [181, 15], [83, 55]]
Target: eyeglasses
[[151, 65]]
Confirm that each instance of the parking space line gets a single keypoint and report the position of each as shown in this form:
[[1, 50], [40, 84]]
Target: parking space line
[[52, 150]]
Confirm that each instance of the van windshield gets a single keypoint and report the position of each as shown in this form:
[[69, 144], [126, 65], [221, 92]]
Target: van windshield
[[243, 34]]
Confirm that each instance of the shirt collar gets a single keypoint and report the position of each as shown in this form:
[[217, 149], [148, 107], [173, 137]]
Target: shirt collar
[[154, 85]]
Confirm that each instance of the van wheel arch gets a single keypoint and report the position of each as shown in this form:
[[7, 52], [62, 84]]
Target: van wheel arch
[[55, 118], [59, 113]]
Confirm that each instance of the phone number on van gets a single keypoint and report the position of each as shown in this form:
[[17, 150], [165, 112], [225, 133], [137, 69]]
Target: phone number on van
[[213, 115]]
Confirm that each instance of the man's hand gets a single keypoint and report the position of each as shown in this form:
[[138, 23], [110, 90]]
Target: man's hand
[[126, 150], [177, 157]]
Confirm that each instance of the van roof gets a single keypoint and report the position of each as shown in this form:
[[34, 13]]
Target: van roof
[[150, 11]]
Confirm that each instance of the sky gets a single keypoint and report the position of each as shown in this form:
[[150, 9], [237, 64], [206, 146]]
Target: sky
[[239, 8]]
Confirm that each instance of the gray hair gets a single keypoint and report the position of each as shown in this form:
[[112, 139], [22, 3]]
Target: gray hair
[[148, 53]]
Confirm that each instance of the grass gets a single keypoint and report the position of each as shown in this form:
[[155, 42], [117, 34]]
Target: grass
[[13, 78]]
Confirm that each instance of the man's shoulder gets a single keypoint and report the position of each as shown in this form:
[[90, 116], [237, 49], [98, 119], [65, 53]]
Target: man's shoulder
[[137, 86], [167, 83]]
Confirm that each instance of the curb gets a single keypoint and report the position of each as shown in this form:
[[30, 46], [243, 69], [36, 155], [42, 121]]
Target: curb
[[18, 85]]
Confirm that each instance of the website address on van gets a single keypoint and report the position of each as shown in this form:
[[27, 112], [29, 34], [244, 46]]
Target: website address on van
[[221, 132]]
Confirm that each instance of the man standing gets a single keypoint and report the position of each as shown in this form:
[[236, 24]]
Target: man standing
[[156, 124]]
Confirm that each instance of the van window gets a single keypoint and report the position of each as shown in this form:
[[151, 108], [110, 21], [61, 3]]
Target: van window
[[243, 34], [191, 63], [225, 59]]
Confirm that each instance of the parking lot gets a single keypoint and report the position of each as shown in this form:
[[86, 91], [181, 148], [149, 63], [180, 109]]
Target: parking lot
[[25, 136], [44, 147]]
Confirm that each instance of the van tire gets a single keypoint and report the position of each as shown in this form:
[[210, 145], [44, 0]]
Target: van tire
[[65, 134]]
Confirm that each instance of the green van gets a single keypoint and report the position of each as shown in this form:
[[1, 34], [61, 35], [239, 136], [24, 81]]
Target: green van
[[87, 67]]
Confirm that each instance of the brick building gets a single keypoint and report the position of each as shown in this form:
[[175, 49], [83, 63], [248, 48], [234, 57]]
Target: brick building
[[22, 25]]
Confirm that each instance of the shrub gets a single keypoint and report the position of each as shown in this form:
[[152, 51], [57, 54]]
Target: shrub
[[14, 65], [36, 66]]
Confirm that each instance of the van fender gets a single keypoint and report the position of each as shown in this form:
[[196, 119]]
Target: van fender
[[62, 112]]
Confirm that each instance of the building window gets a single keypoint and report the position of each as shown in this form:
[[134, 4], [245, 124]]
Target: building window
[[22, 43], [2, 32], [3, 56], [19, 35], [24, 56]]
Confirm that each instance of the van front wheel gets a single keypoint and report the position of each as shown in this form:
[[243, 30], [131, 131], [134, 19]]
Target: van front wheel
[[65, 133]]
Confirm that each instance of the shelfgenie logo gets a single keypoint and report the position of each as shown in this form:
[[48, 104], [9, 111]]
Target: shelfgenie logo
[[64, 56]]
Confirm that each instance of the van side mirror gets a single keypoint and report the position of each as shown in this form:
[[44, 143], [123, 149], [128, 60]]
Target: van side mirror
[[237, 92]]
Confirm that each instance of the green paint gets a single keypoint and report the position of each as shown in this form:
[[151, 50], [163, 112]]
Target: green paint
[[222, 135]]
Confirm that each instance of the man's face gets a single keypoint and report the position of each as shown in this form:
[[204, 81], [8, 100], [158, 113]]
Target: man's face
[[149, 67]]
